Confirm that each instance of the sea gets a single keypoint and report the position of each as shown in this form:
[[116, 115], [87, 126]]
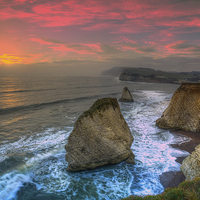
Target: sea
[[37, 115]]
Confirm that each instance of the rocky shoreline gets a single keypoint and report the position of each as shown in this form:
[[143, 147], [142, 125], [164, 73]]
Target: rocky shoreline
[[173, 179]]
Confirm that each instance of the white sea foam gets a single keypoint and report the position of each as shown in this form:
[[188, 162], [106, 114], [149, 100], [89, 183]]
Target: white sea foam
[[151, 144], [41, 141], [49, 172], [109, 182], [10, 183], [44, 146]]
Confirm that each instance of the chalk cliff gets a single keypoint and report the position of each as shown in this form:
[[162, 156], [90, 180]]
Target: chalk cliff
[[126, 95], [191, 165], [183, 111], [100, 136]]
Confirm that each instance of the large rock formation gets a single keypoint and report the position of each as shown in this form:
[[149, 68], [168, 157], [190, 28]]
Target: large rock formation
[[191, 165], [183, 111], [100, 136], [126, 95]]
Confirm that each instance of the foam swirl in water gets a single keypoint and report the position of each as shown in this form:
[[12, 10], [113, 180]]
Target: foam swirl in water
[[151, 144]]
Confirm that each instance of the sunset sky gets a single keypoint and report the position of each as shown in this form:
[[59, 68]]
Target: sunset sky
[[88, 36]]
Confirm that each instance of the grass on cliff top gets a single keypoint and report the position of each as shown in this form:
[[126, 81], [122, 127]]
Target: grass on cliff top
[[101, 104], [187, 190]]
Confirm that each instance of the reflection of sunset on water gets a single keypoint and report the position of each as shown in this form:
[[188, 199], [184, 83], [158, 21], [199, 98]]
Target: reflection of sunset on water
[[16, 118], [12, 100]]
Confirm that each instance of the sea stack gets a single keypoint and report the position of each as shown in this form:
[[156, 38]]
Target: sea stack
[[126, 95], [183, 111], [191, 165], [100, 137]]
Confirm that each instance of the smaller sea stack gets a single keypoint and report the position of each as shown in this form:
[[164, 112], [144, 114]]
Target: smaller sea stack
[[126, 96], [183, 111], [100, 137]]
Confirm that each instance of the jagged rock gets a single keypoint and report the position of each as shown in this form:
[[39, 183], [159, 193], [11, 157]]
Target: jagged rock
[[191, 165], [183, 111], [100, 136], [126, 95]]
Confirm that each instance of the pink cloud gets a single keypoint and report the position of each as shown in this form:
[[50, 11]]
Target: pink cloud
[[122, 44], [183, 48], [40, 41], [135, 15], [20, 1], [123, 39], [9, 13], [69, 47], [159, 23]]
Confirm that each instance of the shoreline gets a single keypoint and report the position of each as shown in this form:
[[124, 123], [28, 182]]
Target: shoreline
[[148, 81], [173, 179]]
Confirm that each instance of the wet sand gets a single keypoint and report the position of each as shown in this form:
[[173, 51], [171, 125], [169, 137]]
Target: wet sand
[[173, 179]]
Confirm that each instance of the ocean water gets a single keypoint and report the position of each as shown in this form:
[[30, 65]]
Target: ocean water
[[36, 117]]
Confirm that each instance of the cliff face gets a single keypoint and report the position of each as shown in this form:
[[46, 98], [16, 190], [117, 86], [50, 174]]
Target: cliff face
[[115, 71], [191, 165], [183, 111], [141, 78], [100, 136]]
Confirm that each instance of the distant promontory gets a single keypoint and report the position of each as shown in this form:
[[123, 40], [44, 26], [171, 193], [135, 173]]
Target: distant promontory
[[151, 75]]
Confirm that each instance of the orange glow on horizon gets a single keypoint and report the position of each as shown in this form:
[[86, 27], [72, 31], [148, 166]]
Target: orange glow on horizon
[[10, 59], [35, 32]]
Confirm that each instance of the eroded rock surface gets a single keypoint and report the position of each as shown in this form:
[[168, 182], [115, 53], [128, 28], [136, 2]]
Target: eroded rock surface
[[100, 136], [183, 111], [126, 95], [191, 165]]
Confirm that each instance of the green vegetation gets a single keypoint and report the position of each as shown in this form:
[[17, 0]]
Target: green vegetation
[[104, 103], [187, 190], [100, 104]]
